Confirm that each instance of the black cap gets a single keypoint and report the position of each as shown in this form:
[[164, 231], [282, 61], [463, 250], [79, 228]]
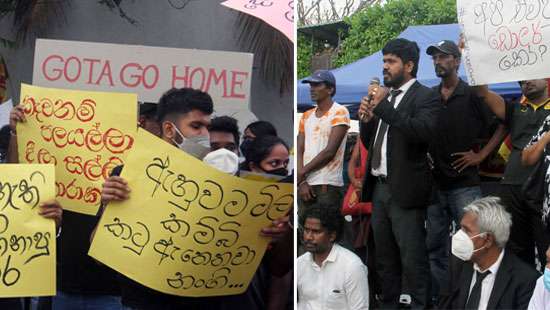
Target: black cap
[[321, 76], [446, 47]]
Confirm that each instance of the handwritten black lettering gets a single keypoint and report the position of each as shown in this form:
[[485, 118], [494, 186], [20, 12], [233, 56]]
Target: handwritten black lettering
[[212, 189], [218, 279], [163, 247], [236, 206], [139, 236], [253, 4], [231, 228], [10, 275], [174, 225], [207, 235]]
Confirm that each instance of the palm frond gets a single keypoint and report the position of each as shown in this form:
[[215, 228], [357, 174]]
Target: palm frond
[[273, 50], [36, 16]]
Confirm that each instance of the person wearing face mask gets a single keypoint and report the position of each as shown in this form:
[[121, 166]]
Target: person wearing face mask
[[267, 154], [184, 116], [483, 274], [541, 295], [224, 133], [254, 130], [223, 160]]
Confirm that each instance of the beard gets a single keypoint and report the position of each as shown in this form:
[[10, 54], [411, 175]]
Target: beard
[[315, 248], [534, 95], [394, 81], [442, 72]]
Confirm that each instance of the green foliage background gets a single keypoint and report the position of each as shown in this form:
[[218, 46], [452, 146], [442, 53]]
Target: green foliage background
[[373, 26]]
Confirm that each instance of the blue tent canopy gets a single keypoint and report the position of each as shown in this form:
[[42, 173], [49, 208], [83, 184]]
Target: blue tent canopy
[[352, 80]]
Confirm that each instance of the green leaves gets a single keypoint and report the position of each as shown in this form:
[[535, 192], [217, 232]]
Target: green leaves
[[373, 26]]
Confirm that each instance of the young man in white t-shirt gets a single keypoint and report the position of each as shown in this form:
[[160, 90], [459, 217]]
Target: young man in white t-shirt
[[321, 144]]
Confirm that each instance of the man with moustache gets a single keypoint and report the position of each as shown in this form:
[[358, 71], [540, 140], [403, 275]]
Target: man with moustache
[[464, 119], [329, 276], [398, 129], [523, 121]]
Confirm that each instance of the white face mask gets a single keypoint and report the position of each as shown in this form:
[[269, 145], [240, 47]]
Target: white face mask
[[223, 160], [197, 146], [463, 246]]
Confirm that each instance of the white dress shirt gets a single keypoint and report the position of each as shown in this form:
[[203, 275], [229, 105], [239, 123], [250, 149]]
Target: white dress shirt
[[383, 169], [340, 283], [541, 297], [488, 282]]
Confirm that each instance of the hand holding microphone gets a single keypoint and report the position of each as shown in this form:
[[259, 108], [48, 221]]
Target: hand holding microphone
[[365, 109]]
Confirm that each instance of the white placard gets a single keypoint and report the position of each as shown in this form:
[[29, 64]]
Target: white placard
[[506, 40], [145, 70]]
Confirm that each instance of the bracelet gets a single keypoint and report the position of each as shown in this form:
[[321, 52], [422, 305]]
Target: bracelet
[[300, 184], [13, 133]]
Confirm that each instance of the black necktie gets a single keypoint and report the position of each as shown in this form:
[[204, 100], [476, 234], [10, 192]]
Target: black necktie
[[475, 295], [377, 149]]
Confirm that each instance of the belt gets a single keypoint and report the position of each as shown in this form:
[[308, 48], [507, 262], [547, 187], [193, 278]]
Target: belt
[[324, 187], [382, 179]]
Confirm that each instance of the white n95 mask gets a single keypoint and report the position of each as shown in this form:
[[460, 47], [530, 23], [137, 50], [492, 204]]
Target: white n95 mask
[[223, 160], [462, 246]]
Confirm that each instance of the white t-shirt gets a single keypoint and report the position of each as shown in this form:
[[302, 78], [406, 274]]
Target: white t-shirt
[[316, 131], [341, 283]]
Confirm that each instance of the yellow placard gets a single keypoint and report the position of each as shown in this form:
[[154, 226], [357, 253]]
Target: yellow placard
[[187, 229], [27, 240], [84, 134]]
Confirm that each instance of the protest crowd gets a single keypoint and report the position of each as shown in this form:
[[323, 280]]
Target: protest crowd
[[414, 228], [181, 118]]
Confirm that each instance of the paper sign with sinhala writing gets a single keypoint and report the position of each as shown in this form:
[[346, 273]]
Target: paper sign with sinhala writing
[[84, 134], [187, 229], [505, 40], [279, 14], [27, 240]]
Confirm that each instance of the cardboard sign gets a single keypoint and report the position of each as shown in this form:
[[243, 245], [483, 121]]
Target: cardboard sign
[[27, 240], [277, 13], [145, 70], [187, 228], [505, 40], [84, 134]]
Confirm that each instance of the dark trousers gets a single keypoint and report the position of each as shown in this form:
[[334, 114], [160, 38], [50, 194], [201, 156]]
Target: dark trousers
[[327, 193], [401, 255], [527, 230]]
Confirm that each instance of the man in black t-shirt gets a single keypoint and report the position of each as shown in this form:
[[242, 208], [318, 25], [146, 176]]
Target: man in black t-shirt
[[463, 121]]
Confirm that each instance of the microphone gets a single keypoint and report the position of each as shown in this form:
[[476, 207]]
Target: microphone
[[374, 81]]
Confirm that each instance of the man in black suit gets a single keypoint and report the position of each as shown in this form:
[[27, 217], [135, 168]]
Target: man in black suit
[[483, 275], [398, 128]]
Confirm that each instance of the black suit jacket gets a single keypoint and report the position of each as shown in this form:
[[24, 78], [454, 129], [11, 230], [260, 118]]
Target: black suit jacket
[[514, 284], [411, 129]]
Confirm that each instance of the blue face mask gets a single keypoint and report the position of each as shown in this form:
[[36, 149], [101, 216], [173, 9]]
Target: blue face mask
[[547, 278]]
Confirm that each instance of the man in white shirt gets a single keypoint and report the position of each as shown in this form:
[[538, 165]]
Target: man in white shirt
[[483, 275], [541, 295], [329, 276]]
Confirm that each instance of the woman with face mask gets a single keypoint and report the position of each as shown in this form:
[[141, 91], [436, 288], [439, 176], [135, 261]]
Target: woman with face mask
[[541, 295], [255, 130], [267, 154]]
